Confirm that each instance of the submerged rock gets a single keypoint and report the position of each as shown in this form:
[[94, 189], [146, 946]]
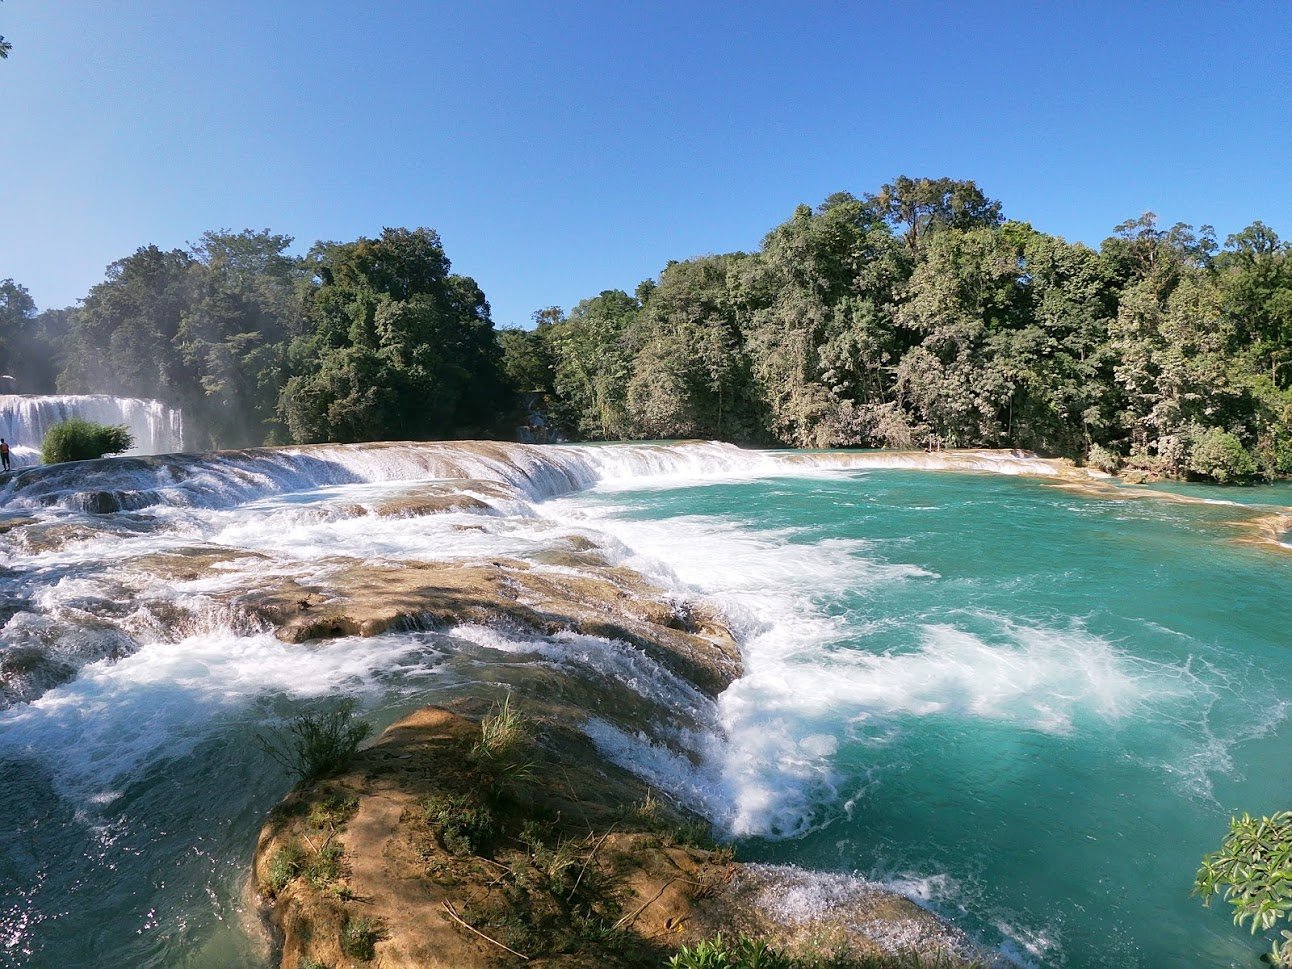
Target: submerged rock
[[366, 599]]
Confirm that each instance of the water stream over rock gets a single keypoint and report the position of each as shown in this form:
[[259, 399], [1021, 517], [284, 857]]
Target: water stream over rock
[[160, 612]]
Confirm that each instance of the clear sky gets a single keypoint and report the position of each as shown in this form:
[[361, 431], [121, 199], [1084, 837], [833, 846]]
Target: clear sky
[[562, 149]]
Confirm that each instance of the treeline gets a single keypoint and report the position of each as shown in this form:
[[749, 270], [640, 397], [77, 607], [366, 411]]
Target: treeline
[[918, 316], [367, 340]]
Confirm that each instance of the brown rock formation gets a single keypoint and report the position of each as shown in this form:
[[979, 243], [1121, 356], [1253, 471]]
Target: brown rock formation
[[429, 853], [423, 855]]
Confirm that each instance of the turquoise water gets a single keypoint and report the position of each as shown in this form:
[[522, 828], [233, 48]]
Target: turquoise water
[[1278, 495], [1067, 700], [1032, 709]]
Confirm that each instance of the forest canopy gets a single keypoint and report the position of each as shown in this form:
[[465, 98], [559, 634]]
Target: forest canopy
[[918, 316], [914, 316]]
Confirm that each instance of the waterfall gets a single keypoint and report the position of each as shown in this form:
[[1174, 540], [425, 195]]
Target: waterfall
[[224, 479], [24, 420]]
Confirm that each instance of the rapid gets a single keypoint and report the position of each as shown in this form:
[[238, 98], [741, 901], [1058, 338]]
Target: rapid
[[1030, 708]]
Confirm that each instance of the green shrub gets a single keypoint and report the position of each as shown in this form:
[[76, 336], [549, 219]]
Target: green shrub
[[1101, 459], [319, 744], [719, 953], [1254, 867], [463, 826], [79, 440], [283, 867], [1218, 454], [359, 938]]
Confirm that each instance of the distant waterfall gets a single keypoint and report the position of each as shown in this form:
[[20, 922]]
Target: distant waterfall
[[24, 419]]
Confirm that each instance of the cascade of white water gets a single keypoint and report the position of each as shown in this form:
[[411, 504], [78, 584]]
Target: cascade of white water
[[24, 420], [228, 478]]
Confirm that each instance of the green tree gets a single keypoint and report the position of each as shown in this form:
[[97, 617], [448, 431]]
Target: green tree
[[918, 206], [526, 357], [690, 371], [124, 337], [1218, 455], [1256, 291], [592, 356], [234, 334], [395, 346], [961, 302], [17, 325]]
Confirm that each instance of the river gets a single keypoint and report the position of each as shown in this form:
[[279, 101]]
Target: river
[[1031, 708]]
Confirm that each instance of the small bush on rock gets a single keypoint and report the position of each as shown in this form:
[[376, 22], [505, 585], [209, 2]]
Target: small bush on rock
[[319, 744], [1102, 459], [80, 440], [359, 938]]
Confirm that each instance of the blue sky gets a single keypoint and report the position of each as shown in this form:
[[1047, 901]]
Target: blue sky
[[562, 149]]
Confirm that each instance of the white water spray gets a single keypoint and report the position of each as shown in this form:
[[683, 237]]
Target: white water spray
[[25, 419]]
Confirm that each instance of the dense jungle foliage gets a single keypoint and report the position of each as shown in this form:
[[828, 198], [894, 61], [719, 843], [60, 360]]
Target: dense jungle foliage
[[916, 316], [919, 317], [367, 340]]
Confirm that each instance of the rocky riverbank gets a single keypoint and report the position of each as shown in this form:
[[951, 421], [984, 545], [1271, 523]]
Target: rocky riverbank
[[432, 850]]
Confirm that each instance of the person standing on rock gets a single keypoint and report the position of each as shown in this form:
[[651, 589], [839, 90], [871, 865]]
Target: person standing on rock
[[4, 454]]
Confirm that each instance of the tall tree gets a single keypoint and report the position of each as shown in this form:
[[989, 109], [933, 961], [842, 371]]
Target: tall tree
[[592, 357], [17, 314], [235, 333], [124, 336], [396, 346], [918, 206]]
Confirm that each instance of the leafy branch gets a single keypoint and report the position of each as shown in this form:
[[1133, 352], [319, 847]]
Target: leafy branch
[[1254, 869]]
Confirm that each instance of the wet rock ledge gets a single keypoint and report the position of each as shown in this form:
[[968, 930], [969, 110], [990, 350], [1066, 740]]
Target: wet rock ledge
[[441, 847]]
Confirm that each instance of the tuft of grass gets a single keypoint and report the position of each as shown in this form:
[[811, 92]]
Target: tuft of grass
[[306, 963], [334, 810], [649, 810], [325, 866], [556, 865], [317, 744], [748, 953], [505, 734], [283, 867], [652, 814], [359, 938], [463, 825], [720, 953]]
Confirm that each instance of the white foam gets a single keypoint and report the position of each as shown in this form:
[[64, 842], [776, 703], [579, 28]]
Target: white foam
[[810, 685], [783, 721], [538, 471], [98, 731]]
